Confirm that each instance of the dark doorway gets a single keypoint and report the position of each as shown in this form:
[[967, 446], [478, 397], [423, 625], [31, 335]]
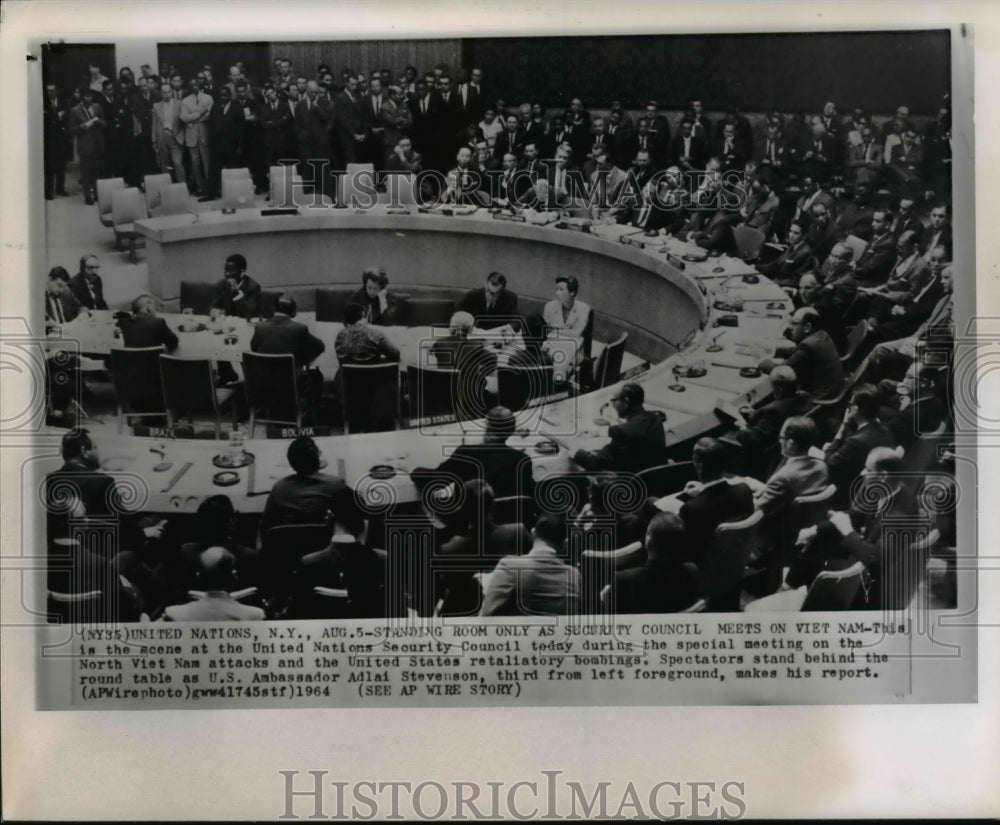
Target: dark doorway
[[67, 64]]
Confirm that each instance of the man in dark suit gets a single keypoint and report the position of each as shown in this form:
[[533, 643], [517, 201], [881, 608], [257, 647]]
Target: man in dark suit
[[276, 133], [938, 233], [637, 439], [251, 154], [87, 286], [87, 125], [237, 293], [910, 278], [444, 121], [372, 104], [731, 148], [711, 500], [306, 496], [814, 359], [61, 305], [771, 150], [906, 220], [281, 335], [871, 531], [665, 583], [906, 160], [505, 469], [144, 328], [531, 163], [760, 427], [56, 141], [140, 104], [687, 150], [349, 124], [471, 96], [794, 259], [818, 153], [510, 140], [860, 432], [926, 409], [493, 305], [879, 258], [313, 116], [226, 125]]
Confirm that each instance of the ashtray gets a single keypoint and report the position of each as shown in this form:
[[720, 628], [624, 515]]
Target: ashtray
[[693, 258], [696, 372], [163, 466], [231, 339], [228, 210], [718, 269], [382, 471], [751, 279], [714, 348], [775, 304], [227, 478], [601, 422], [677, 388], [750, 372], [192, 327], [547, 447], [226, 460]]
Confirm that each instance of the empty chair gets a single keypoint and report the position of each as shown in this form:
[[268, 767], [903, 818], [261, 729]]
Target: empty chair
[[272, 390], [127, 207], [238, 193], [105, 187], [749, 242], [189, 390], [154, 186], [430, 394], [667, 479], [357, 178], [197, 296], [720, 573], [283, 547], [330, 303], [233, 174], [608, 369], [175, 199], [284, 182], [399, 188], [135, 375], [517, 387], [427, 312], [370, 397]]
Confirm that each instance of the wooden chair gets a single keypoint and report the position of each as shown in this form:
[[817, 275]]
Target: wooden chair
[[135, 375], [189, 390], [371, 397], [197, 296], [430, 393], [127, 207], [105, 188], [154, 186], [724, 563], [175, 200], [238, 193], [272, 390], [749, 242], [517, 387]]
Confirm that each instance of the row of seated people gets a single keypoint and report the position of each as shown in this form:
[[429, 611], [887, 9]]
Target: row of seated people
[[200, 125], [536, 572], [562, 329]]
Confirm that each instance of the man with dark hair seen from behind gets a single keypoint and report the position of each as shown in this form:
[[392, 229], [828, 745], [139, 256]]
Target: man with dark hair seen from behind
[[306, 496], [637, 439]]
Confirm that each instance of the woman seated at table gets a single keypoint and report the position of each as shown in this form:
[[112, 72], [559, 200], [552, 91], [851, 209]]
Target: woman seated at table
[[361, 343], [566, 318]]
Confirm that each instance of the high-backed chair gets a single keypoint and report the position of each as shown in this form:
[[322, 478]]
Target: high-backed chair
[[371, 397], [284, 183], [330, 303], [514, 510], [175, 199], [427, 312], [283, 547], [598, 568], [105, 187], [857, 245], [135, 375], [189, 390], [667, 479], [233, 174], [430, 393], [154, 186], [127, 207], [197, 296], [400, 185], [608, 369], [238, 193], [272, 390], [749, 242], [835, 589], [268, 302], [517, 387], [721, 572]]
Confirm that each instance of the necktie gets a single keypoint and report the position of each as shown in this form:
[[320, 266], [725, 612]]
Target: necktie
[[643, 141], [378, 102], [489, 304], [423, 106], [770, 150], [559, 178], [729, 146], [89, 115], [308, 105], [55, 309]]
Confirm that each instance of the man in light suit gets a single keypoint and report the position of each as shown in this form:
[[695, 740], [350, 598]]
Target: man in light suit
[[168, 134], [196, 109], [799, 474], [216, 576], [539, 583], [908, 279], [87, 124]]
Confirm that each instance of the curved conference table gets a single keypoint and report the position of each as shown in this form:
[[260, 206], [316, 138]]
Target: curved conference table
[[637, 285]]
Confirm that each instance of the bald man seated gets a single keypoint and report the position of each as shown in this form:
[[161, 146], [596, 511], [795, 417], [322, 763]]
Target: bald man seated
[[216, 577]]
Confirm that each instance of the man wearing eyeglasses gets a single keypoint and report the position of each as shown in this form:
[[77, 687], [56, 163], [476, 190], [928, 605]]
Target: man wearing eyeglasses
[[87, 285]]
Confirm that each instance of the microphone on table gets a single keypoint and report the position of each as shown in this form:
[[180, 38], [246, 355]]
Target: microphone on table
[[197, 216]]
